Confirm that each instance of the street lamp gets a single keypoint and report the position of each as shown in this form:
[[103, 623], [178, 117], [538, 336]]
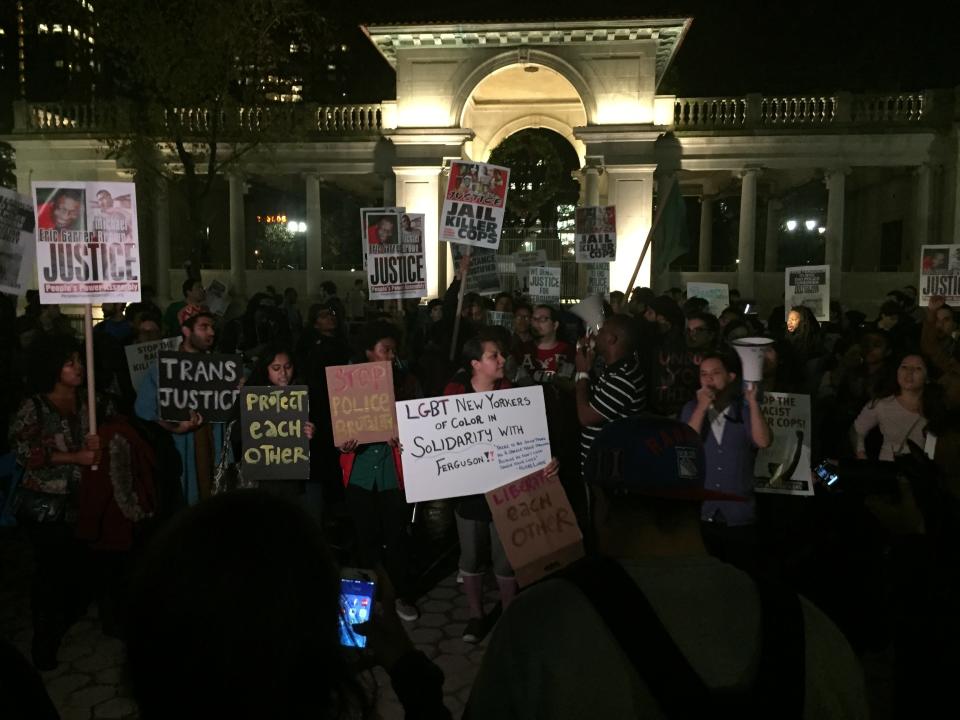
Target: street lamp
[[791, 225], [810, 224]]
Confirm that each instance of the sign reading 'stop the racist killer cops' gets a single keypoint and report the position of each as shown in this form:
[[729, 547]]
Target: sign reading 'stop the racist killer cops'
[[474, 204], [275, 444], [203, 382]]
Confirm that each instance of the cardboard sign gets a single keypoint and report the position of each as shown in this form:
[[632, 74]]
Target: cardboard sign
[[142, 355], [474, 203], [596, 234], [598, 280], [784, 467], [940, 273], [808, 286], [543, 285], [273, 421], [466, 444], [482, 275], [204, 382], [87, 247], [536, 525], [16, 242], [396, 265], [362, 402], [500, 319], [717, 294]]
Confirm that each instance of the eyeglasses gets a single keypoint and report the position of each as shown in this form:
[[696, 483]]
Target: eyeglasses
[[697, 330], [541, 318]]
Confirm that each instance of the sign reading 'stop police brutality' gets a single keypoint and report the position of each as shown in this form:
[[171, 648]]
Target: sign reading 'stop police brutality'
[[202, 382], [87, 248], [596, 234], [474, 203], [273, 421]]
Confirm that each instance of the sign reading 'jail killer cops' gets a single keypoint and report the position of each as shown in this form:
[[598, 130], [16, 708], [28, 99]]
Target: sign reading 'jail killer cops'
[[275, 444], [204, 382], [536, 525], [362, 402], [460, 445]]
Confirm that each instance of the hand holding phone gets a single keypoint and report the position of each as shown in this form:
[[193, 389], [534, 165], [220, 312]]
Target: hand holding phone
[[358, 591]]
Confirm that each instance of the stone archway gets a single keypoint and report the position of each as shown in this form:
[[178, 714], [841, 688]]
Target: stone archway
[[517, 96]]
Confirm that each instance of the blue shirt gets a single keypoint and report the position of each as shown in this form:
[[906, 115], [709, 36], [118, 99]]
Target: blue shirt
[[729, 464]]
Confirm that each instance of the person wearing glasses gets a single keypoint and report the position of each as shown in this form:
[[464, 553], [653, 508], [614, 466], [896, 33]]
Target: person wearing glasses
[[548, 355]]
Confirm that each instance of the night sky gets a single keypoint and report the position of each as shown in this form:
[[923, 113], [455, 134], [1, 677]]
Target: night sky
[[740, 46]]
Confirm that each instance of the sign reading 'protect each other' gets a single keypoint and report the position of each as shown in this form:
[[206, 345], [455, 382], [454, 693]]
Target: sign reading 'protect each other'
[[275, 444], [361, 402]]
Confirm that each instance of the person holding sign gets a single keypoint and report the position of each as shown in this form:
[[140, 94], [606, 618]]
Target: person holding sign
[[51, 439], [198, 443], [275, 368], [732, 428], [373, 479]]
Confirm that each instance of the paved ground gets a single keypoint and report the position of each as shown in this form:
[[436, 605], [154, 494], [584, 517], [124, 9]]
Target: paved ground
[[88, 682]]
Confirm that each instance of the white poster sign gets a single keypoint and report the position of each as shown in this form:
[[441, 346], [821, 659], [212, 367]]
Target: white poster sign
[[598, 280], [808, 286], [543, 285], [460, 445], [142, 355], [87, 242], [784, 467], [596, 234], [940, 273], [717, 294], [396, 266], [16, 242], [474, 203]]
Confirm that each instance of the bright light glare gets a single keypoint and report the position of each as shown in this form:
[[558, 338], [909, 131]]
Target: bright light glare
[[791, 225]]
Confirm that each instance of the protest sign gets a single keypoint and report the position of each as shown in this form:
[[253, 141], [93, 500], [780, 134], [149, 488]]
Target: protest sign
[[522, 259], [717, 294], [142, 355], [808, 286], [16, 242], [598, 280], [536, 526], [500, 319], [596, 234], [543, 285], [216, 299], [361, 402], [204, 382], [370, 227], [87, 247], [396, 267], [940, 273], [482, 275], [784, 467], [466, 444], [273, 427], [473, 205]]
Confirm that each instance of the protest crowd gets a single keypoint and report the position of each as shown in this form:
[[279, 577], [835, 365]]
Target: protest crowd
[[238, 468]]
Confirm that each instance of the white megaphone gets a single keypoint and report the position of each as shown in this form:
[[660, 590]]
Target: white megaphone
[[590, 310], [750, 350]]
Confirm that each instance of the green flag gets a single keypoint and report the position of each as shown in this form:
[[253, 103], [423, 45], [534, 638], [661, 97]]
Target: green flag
[[670, 240]]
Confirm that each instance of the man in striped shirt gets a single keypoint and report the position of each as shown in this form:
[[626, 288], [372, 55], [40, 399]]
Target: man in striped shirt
[[617, 392]]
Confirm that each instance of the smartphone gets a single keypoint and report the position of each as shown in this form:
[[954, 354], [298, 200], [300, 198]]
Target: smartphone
[[358, 588], [828, 473]]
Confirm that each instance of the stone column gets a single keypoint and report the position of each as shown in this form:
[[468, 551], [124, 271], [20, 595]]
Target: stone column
[[748, 231], [161, 212], [389, 191], [314, 235], [238, 249], [706, 234], [591, 174], [835, 180], [771, 248], [630, 190], [923, 210], [418, 190]]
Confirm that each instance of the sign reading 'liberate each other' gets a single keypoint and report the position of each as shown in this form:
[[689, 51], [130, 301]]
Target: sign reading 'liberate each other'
[[273, 421], [202, 382], [361, 402]]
